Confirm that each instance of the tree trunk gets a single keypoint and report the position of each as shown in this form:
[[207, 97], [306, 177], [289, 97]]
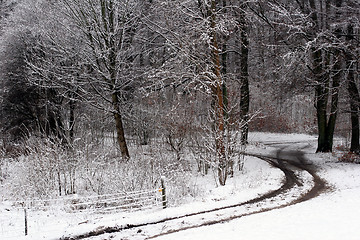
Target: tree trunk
[[224, 85], [337, 69], [321, 88], [326, 127], [321, 101], [109, 21], [334, 100], [71, 121], [353, 95], [119, 128], [218, 93], [224, 67], [354, 111], [244, 88]]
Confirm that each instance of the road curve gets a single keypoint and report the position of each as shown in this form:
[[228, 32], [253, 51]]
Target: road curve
[[292, 163]]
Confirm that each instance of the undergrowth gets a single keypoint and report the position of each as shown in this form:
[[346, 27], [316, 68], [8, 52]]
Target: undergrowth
[[344, 155], [49, 171]]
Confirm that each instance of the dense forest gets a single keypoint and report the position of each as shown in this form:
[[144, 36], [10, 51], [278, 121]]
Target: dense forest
[[98, 95]]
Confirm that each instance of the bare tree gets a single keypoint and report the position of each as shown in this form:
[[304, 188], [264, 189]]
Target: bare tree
[[108, 28], [244, 63], [312, 30], [26, 108], [198, 39]]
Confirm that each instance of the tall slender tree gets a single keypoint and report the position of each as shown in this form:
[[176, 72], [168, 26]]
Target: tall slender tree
[[218, 94], [244, 81]]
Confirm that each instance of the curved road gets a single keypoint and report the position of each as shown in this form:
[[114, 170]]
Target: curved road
[[301, 183]]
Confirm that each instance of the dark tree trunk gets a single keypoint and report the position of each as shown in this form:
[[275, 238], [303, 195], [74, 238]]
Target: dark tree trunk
[[109, 21], [322, 85], [71, 121], [324, 88], [224, 66], [119, 128], [321, 100], [354, 111], [334, 101], [244, 88], [326, 125], [353, 95]]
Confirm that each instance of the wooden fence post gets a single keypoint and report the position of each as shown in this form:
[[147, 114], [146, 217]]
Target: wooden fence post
[[26, 222], [163, 192]]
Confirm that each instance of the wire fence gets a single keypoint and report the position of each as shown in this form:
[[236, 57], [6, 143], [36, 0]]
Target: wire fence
[[50, 216]]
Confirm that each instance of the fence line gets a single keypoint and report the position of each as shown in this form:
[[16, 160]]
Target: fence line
[[77, 201], [18, 216], [67, 198]]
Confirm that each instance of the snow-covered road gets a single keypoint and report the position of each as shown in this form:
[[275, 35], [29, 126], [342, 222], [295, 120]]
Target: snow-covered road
[[333, 215], [316, 218]]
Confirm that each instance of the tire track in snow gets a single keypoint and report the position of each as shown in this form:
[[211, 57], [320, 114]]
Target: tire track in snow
[[292, 181]]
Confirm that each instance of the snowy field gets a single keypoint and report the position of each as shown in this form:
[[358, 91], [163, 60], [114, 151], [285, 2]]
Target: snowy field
[[332, 215]]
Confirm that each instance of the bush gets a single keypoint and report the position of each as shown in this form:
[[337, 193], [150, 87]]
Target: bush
[[270, 123], [49, 170], [349, 157]]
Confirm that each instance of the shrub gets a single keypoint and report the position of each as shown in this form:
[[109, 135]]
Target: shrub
[[49, 170], [270, 123], [349, 157]]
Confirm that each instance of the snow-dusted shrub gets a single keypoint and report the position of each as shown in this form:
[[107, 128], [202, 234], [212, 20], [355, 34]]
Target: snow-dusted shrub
[[178, 173], [44, 171], [91, 170], [342, 153], [49, 170], [206, 153], [2, 156], [271, 122], [349, 157], [105, 173], [3, 169]]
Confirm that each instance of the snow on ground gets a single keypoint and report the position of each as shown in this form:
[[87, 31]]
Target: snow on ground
[[56, 223], [332, 215]]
